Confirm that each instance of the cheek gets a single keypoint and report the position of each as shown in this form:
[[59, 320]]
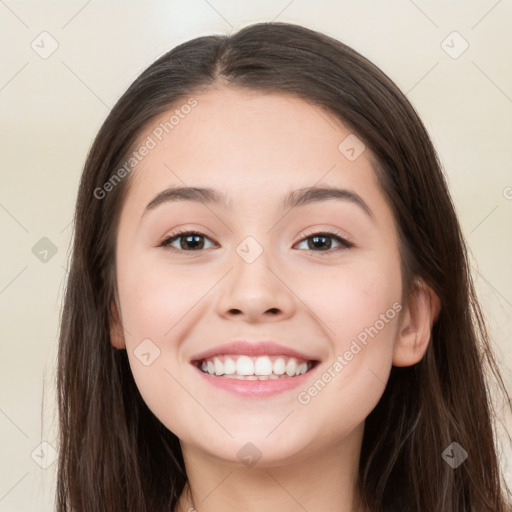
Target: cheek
[[158, 304], [154, 299], [359, 311], [357, 307], [155, 296], [352, 297]]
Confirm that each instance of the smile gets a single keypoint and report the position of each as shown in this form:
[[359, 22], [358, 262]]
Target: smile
[[255, 377], [243, 367]]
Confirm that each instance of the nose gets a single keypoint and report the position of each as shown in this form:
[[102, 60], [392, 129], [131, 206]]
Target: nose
[[256, 292]]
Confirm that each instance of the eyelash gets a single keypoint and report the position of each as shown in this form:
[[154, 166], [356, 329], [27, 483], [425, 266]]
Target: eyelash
[[345, 244]]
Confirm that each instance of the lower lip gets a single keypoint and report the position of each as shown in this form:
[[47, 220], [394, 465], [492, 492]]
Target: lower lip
[[255, 388]]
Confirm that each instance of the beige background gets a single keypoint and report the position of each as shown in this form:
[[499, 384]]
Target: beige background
[[52, 107]]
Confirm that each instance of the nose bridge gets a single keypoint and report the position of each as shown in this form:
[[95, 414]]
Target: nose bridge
[[253, 260], [254, 286], [254, 237], [251, 250]]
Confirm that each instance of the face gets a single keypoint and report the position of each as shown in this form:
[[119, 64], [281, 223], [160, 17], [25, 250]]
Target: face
[[321, 277]]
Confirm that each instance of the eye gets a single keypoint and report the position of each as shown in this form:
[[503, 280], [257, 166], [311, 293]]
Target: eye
[[188, 241], [194, 241], [322, 242]]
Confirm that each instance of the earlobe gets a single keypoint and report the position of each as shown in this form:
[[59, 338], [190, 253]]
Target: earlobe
[[422, 309], [116, 330]]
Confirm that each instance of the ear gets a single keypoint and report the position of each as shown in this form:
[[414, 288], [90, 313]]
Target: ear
[[419, 315], [116, 329]]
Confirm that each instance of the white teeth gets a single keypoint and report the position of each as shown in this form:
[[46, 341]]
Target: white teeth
[[229, 366], [244, 366], [255, 368], [279, 366], [263, 366], [291, 368], [218, 366], [302, 368]]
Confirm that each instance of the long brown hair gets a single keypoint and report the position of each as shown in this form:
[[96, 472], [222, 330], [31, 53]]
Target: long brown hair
[[115, 455]]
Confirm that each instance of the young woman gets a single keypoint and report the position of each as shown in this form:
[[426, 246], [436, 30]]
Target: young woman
[[269, 304]]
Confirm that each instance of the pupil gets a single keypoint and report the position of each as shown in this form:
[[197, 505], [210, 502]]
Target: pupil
[[191, 244], [317, 238]]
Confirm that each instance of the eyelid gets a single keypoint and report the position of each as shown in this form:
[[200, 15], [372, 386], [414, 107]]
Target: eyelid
[[344, 239], [182, 232]]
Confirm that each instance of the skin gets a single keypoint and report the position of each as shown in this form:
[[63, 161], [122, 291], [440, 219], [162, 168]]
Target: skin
[[255, 147]]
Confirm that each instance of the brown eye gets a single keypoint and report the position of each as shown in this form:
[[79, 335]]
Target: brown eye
[[187, 241], [322, 242]]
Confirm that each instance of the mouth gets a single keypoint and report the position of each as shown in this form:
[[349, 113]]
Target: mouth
[[254, 369], [265, 367]]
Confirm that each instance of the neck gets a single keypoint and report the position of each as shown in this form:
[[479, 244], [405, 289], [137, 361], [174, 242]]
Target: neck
[[318, 482]]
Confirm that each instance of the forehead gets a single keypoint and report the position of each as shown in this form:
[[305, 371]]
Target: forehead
[[253, 146]]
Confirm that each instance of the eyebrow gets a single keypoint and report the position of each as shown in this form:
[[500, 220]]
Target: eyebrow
[[299, 197]]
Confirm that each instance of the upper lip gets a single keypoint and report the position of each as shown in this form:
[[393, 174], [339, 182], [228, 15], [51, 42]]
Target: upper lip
[[257, 348]]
